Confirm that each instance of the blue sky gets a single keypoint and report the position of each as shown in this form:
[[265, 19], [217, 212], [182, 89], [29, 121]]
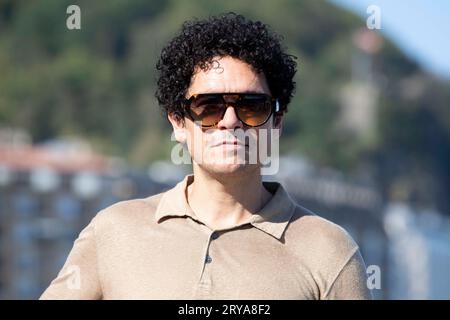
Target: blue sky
[[420, 28]]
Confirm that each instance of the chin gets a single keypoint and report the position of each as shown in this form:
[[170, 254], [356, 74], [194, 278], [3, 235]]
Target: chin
[[228, 168]]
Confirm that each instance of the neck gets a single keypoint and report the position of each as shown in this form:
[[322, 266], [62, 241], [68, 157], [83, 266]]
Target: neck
[[224, 201]]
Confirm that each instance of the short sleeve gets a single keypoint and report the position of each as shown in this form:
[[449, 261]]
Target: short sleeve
[[351, 281], [78, 278]]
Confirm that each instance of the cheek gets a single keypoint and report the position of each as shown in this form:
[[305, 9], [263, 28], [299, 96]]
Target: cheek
[[265, 130], [189, 131], [197, 140], [265, 134]]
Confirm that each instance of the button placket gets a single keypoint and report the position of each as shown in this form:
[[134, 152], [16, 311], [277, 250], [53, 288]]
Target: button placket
[[213, 236], [205, 279]]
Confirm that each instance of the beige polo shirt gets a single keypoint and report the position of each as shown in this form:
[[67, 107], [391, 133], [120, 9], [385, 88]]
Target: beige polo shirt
[[156, 248]]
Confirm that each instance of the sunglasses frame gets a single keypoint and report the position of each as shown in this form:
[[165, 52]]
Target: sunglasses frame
[[275, 105]]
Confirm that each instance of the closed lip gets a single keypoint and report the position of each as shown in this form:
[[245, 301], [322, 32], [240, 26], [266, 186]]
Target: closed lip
[[232, 142]]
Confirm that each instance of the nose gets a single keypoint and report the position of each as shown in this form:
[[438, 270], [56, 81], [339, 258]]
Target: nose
[[230, 120]]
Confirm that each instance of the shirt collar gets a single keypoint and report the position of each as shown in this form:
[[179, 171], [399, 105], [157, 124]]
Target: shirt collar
[[273, 218]]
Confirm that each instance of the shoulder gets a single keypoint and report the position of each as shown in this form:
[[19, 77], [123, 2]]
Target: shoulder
[[320, 246], [324, 240], [131, 212]]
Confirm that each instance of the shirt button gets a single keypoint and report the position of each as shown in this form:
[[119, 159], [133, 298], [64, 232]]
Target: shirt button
[[214, 235], [208, 259]]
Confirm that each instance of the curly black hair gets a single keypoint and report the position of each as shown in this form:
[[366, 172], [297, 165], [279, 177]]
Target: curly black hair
[[229, 34]]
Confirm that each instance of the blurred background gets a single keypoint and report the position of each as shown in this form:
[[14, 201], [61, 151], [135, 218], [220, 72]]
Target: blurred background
[[366, 140]]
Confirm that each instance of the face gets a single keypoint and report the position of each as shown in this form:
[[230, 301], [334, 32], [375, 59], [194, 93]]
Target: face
[[206, 145]]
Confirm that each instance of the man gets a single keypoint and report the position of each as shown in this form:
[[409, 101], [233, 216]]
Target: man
[[221, 233]]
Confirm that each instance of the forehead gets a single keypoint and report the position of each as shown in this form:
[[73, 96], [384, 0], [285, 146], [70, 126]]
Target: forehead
[[228, 74]]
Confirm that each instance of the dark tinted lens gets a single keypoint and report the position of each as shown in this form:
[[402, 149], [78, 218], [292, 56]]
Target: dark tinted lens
[[208, 109], [254, 110]]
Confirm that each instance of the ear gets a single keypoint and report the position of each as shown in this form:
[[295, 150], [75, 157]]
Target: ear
[[179, 128]]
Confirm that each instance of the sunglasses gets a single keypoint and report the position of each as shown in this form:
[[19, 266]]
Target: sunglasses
[[252, 109]]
